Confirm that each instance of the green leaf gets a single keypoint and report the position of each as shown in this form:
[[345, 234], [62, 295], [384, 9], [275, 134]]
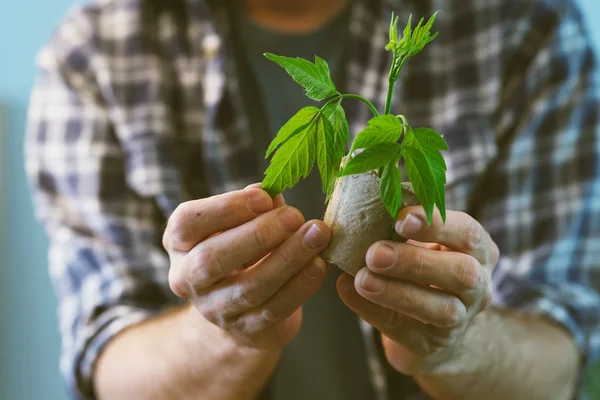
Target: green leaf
[[324, 69], [429, 25], [420, 175], [417, 33], [294, 125], [385, 128], [413, 40], [422, 35], [372, 158], [391, 187], [393, 33], [408, 28], [337, 129], [314, 78], [292, 161], [334, 112], [426, 138], [426, 168], [328, 157]]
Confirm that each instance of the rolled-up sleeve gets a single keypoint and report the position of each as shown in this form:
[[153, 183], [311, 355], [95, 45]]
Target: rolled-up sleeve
[[106, 262], [542, 193]]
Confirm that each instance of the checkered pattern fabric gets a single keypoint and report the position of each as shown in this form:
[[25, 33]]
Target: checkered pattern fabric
[[136, 110]]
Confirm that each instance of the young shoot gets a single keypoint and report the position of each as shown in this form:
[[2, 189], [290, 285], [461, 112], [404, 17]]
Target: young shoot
[[322, 134]]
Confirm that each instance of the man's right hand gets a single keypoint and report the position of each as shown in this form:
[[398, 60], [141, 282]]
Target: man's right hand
[[247, 262]]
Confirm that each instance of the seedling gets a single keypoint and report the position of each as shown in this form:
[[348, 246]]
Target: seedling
[[322, 135]]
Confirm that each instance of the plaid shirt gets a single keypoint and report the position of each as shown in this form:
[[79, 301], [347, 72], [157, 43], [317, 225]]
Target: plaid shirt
[[136, 110]]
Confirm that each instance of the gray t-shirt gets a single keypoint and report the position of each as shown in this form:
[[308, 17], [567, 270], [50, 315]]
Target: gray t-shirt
[[327, 359]]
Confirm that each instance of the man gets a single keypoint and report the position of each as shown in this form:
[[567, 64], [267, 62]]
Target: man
[[147, 127]]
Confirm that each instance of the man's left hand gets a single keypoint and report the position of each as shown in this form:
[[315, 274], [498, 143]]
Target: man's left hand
[[423, 295]]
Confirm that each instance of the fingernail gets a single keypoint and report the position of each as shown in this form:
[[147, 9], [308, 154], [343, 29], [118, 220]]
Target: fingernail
[[410, 225], [383, 256], [370, 283], [314, 238], [313, 270], [259, 203], [290, 219]]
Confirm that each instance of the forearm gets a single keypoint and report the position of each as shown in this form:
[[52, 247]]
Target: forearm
[[509, 356], [180, 355]]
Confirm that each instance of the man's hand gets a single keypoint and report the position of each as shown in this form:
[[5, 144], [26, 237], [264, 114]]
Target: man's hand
[[423, 296], [247, 263]]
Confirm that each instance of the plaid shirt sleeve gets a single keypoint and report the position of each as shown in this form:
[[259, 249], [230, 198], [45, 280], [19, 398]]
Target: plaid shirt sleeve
[[543, 191], [106, 263]]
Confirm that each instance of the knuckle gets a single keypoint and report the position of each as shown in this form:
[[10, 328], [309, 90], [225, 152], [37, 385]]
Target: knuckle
[[488, 294], [420, 258], [472, 236], [177, 284], [452, 314], [212, 316], [270, 315], [405, 296], [392, 321], [204, 266], [238, 325], [177, 232], [246, 295], [430, 344], [289, 260], [247, 326], [262, 235], [467, 272]]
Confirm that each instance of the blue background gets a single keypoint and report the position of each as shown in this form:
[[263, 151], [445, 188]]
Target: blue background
[[29, 341]]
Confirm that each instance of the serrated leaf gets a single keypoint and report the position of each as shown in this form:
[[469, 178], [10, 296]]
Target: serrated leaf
[[336, 117], [422, 178], [429, 25], [391, 187], [426, 138], [323, 67], [328, 157], [412, 41], [372, 158], [334, 112], [422, 35], [381, 129], [294, 125], [292, 161], [440, 180], [429, 143], [314, 78]]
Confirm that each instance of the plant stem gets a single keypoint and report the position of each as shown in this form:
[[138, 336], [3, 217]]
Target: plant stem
[[367, 102], [354, 96], [390, 93], [392, 77]]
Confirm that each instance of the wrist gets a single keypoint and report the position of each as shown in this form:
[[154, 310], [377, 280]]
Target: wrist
[[467, 363], [195, 328], [471, 355]]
